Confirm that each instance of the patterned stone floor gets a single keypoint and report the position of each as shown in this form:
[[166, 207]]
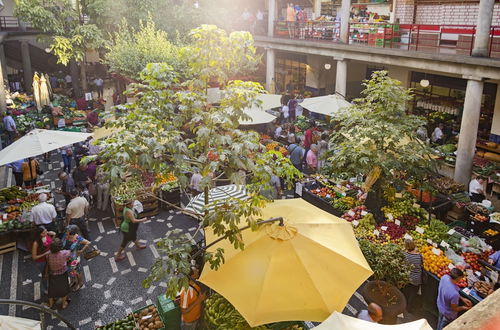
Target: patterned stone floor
[[112, 289]]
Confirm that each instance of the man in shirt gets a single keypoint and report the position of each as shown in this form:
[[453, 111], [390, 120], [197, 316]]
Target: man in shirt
[[99, 84], [449, 297], [81, 177], [76, 213], [17, 171], [10, 127], [277, 131], [190, 302], [195, 182], [437, 135], [373, 314], [297, 152], [476, 189], [494, 259], [68, 185], [44, 214]]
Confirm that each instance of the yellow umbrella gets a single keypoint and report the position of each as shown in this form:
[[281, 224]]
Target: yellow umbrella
[[303, 270]]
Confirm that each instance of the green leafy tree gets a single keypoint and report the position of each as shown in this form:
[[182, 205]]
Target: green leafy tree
[[171, 128], [64, 24], [131, 50], [377, 138]]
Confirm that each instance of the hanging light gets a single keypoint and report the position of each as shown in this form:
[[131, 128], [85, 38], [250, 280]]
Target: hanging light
[[328, 66], [424, 83], [47, 50]]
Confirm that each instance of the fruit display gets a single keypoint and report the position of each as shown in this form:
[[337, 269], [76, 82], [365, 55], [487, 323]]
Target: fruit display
[[167, 182], [324, 192], [344, 203], [12, 193], [482, 288], [436, 264], [472, 259], [271, 146], [404, 206], [447, 185], [409, 221], [463, 232], [490, 233], [355, 213], [495, 216], [148, 318], [127, 323], [15, 224], [394, 231], [220, 314], [437, 231], [477, 208], [127, 190], [480, 218]]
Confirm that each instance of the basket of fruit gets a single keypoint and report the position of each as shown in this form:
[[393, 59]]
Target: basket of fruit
[[148, 318]]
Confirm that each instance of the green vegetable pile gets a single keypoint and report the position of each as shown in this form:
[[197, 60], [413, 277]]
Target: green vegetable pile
[[220, 314], [127, 190], [127, 323], [345, 203]]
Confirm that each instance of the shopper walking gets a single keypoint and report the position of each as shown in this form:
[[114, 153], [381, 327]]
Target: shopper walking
[[76, 213], [99, 85], [312, 159], [297, 152], [76, 244], [67, 157], [67, 186], [102, 187], [10, 127], [40, 250], [415, 260], [44, 214], [57, 260], [17, 171], [449, 297], [29, 168], [129, 227]]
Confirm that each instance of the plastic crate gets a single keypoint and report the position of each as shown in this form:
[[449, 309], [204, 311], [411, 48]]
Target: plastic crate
[[170, 313], [457, 223], [139, 310]]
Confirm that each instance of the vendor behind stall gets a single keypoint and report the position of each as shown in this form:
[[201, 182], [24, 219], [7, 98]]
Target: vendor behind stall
[[476, 189], [494, 259], [449, 297]]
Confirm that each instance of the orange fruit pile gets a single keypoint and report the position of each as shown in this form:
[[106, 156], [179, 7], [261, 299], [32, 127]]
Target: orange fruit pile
[[436, 264]]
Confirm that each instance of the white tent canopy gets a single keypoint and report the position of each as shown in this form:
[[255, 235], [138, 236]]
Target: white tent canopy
[[269, 101], [38, 142], [326, 105], [257, 117], [18, 323], [341, 321]]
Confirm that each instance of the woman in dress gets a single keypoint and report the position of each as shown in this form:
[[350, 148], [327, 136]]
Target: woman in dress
[[76, 244], [129, 228], [57, 260], [39, 251]]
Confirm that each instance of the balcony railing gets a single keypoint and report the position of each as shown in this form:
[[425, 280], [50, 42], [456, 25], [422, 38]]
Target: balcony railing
[[12, 23], [441, 39]]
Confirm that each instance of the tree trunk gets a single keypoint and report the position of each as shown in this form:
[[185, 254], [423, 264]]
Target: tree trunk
[[75, 78], [375, 201], [83, 77]]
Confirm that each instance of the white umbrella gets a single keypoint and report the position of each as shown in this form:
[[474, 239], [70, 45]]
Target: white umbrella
[[36, 91], [257, 117], [341, 321], [220, 194], [18, 323], [325, 105], [44, 92], [269, 101], [38, 142]]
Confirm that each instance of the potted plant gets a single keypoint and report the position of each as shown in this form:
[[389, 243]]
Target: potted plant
[[391, 272]]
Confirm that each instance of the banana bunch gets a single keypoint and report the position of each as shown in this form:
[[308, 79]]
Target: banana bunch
[[220, 314]]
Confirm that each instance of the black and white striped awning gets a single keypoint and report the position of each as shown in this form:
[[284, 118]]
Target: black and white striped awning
[[219, 194]]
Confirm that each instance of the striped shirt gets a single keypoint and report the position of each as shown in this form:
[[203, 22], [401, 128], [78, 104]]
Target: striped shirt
[[415, 259]]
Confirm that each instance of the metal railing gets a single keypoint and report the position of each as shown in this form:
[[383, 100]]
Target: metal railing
[[12, 23], [442, 39], [42, 311]]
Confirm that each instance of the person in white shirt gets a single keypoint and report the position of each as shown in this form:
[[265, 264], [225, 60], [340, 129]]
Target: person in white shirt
[[277, 131], [373, 314], [285, 113], [195, 182], [68, 80], [437, 135], [476, 189], [99, 84], [298, 108], [44, 214]]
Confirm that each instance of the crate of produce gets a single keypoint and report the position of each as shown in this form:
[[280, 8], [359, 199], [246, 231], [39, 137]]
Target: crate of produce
[[170, 313], [127, 323], [148, 318]]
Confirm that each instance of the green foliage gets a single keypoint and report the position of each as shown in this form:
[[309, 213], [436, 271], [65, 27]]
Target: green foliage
[[62, 23], [131, 50], [387, 262], [171, 128]]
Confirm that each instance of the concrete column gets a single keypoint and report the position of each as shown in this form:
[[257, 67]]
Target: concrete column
[[341, 78], [317, 8], [27, 71], [270, 82], [468, 130], [345, 12], [271, 17], [3, 74], [483, 28]]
